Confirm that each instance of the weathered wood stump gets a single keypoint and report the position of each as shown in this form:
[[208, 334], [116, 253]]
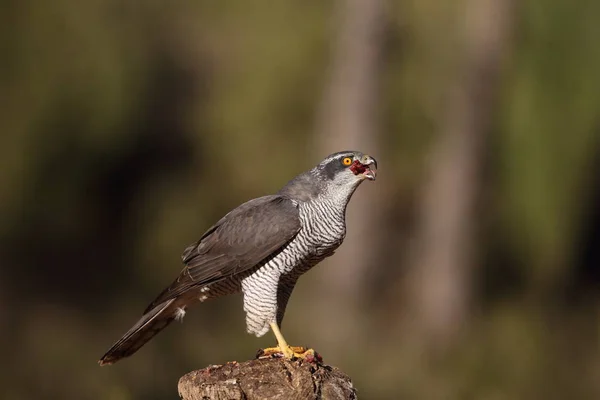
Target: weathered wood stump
[[270, 378]]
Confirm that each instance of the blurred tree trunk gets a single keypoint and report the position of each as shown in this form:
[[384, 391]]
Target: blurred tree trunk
[[347, 122], [439, 283]]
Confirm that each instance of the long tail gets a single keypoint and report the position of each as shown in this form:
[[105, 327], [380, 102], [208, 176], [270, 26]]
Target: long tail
[[149, 325]]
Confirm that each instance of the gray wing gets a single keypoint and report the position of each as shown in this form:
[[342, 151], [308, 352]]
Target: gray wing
[[243, 238]]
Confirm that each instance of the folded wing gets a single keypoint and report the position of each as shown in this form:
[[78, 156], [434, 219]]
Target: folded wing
[[245, 237]]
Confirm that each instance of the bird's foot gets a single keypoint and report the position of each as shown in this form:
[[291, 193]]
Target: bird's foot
[[291, 353]]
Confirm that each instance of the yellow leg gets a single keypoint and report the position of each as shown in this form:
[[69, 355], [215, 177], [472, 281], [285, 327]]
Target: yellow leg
[[289, 352], [283, 346]]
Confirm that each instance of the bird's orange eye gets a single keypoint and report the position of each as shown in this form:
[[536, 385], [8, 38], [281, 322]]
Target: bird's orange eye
[[347, 161]]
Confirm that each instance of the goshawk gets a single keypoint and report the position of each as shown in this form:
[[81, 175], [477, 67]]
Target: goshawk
[[260, 248]]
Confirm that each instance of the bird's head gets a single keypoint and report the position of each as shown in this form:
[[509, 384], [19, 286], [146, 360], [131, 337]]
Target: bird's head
[[340, 173], [346, 170]]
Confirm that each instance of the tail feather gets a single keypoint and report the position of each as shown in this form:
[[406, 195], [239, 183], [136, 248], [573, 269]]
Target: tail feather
[[149, 325]]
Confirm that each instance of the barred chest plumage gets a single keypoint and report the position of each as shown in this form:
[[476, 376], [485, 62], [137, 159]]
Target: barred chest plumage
[[267, 290], [323, 228], [323, 231]]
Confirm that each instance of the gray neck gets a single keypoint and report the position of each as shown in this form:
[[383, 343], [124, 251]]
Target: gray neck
[[311, 187], [304, 187], [337, 196]]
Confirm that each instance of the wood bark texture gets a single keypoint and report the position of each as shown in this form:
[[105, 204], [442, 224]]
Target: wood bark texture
[[271, 379]]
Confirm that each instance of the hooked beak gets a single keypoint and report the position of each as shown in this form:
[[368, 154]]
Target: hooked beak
[[370, 167]]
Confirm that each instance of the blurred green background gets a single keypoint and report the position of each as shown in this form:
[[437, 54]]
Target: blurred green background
[[471, 268]]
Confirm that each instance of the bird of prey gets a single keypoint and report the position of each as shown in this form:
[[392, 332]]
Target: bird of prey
[[260, 249]]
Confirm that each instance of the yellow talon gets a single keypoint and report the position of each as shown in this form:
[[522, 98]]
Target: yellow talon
[[287, 351], [290, 352]]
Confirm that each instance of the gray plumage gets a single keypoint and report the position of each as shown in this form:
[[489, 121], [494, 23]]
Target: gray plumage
[[260, 248]]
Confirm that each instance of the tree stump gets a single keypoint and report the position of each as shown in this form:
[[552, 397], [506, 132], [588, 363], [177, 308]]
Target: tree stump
[[269, 378]]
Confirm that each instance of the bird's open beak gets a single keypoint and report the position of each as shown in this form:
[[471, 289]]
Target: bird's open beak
[[370, 165]]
